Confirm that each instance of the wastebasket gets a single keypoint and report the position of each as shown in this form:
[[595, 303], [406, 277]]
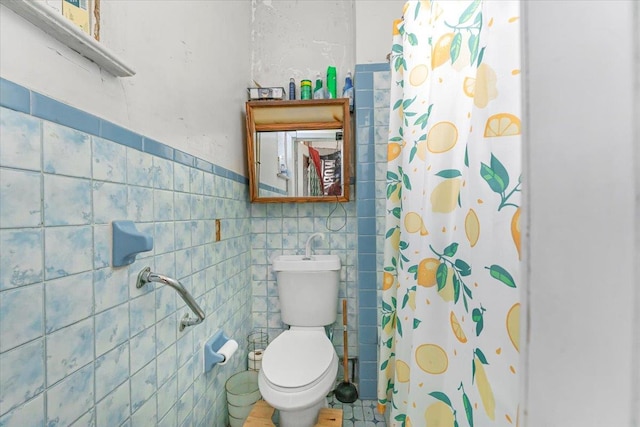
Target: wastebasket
[[242, 393]]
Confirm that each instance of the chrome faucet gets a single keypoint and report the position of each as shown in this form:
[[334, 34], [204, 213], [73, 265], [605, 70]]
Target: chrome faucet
[[307, 249]]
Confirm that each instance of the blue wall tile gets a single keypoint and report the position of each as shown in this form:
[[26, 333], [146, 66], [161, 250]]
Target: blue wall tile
[[120, 135], [14, 96], [57, 112], [157, 149], [372, 91]]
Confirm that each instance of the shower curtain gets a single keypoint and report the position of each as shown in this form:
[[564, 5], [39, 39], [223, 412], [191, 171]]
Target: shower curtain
[[450, 310]]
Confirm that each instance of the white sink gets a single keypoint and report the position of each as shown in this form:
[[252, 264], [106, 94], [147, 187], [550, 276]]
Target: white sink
[[300, 263]]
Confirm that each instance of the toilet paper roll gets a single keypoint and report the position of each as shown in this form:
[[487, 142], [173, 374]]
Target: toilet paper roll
[[227, 350], [255, 359]]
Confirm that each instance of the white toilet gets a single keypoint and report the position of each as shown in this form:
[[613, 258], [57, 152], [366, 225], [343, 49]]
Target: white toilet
[[300, 366]]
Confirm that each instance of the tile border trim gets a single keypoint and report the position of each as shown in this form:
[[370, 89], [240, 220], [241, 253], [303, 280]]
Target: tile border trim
[[16, 97]]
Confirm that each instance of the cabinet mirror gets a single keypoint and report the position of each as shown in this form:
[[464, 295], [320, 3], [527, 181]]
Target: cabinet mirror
[[298, 151]]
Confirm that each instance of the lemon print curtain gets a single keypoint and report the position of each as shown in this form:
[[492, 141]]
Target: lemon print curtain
[[450, 310]]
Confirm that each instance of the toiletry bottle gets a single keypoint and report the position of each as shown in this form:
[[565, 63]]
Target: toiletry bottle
[[318, 91], [292, 88], [332, 86], [347, 92], [305, 89]]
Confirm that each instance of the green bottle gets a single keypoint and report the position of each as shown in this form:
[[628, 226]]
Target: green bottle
[[318, 91], [332, 85]]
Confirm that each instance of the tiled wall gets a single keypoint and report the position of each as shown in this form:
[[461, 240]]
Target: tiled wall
[[79, 344], [372, 124], [283, 228]]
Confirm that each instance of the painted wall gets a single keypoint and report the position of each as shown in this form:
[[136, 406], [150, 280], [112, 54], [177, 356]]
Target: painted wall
[[301, 39], [580, 201], [192, 67], [374, 19]]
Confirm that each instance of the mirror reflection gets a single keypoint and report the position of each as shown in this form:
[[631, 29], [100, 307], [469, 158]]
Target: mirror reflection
[[300, 163]]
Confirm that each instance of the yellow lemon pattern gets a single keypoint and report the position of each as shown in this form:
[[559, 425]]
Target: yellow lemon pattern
[[513, 325], [402, 371], [444, 197], [439, 414], [502, 124], [432, 359], [413, 224], [442, 137], [427, 272], [472, 227], [418, 74], [457, 328], [484, 388], [450, 273]]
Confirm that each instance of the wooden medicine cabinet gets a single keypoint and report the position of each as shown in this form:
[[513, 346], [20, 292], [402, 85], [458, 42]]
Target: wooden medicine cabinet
[[298, 151]]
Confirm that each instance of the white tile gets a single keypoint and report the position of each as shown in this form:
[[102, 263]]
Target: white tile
[[109, 160], [21, 262], [110, 288], [142, 349], [143, 386], [61, 242], [31, 414], [181, 177], [20, 137], [167, 395], [112, 369], [166, 332], [114, 408], [86, 420], [21, 316], [163, 241], [19, 385], [185, 408], [140, 204], [112, 328], [109, 202], [69, 349], [182, 206], [167, 364], [163, 177], [69, 399], [163, 205], [145, 414], [142, 313], [139, 168], [70, 291], [66, 151], [102, 248], [20, 193]]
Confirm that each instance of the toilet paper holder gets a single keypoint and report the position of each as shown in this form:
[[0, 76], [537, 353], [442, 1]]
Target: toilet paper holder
[[217, 350]]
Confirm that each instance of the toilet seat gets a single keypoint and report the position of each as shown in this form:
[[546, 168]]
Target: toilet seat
[[297, 359]]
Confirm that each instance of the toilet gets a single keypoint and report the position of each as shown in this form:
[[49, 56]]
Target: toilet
[[300, 366]]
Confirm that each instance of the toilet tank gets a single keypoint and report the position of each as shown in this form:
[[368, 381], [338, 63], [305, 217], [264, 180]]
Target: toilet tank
[[307, 289]]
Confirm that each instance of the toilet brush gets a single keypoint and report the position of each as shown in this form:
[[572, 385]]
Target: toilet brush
[[345, 391]]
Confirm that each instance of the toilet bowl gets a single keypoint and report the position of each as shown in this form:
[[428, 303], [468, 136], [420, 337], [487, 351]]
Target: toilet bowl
[[299, 368]]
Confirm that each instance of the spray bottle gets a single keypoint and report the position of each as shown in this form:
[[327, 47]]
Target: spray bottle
[[347, 92], [318, 91]]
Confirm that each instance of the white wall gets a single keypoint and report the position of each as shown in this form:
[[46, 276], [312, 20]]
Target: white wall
[[193, 67], [579, 71], [374, 23], [299, 39]]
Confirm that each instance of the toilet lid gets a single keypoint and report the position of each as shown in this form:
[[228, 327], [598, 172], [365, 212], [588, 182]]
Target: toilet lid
[[297, 358]]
